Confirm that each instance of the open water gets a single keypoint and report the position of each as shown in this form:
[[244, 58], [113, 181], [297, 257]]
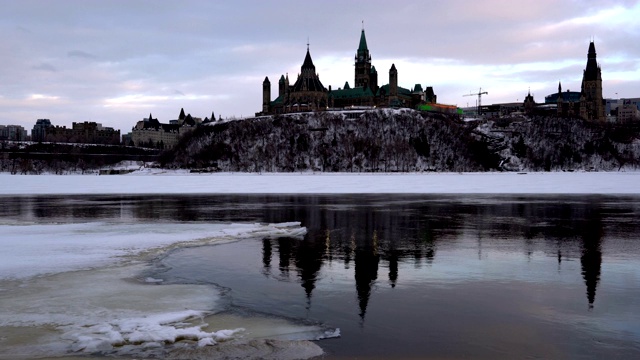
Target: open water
[[411, 276]]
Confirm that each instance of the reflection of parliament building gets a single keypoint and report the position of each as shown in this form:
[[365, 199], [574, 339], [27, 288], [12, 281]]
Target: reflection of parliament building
[[308, 93], [375, 242]]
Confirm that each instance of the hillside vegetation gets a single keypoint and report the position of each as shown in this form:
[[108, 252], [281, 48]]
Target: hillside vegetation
[[405, 141], [65, 158]]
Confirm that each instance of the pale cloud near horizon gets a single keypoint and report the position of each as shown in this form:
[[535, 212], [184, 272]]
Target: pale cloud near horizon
[[115, 62]]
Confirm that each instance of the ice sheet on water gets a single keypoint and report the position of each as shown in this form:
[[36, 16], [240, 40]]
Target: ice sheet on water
[[30, 250], [106, 309], [327, 183]]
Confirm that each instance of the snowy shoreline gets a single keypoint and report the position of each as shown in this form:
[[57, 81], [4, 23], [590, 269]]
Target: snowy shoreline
[[52, 294], [158, 181]]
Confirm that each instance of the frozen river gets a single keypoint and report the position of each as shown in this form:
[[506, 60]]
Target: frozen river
[[386, 276]]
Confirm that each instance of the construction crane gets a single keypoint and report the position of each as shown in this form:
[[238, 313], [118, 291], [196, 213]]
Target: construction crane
[[479, 95]]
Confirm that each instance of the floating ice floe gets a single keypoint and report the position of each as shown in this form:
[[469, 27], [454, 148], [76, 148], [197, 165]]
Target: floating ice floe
[[31, 250], [78, 287]]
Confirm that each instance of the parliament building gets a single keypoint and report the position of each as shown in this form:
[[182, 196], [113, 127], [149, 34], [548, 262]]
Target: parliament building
[[589, 105], [308, 93]]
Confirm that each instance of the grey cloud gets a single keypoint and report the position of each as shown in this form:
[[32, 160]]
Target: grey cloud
[[23, 29], [81, 54], [45, 67]]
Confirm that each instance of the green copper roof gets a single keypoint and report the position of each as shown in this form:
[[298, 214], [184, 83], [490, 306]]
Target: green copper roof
[[363, 42], [351, 93], [277, 101], [401, 90]]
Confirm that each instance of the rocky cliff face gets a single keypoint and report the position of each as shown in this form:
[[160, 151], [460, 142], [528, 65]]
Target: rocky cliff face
[[406, 141]]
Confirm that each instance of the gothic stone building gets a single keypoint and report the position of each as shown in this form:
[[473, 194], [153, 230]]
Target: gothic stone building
[[150, 132], [308, 93], [590, 105]]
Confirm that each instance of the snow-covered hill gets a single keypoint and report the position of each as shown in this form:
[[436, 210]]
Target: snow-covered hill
[[406, 141]]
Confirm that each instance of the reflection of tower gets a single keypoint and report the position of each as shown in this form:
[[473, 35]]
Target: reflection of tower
[[366, 273], [591, 259], [284, 251], [348, 251], [266, 255], [430, 248], [309, 261], [393, 258]]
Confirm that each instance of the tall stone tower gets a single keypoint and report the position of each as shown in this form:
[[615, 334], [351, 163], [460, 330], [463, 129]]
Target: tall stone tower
[[591, 107], [266, 95], [281, 86], [393, 84], [363, 63]]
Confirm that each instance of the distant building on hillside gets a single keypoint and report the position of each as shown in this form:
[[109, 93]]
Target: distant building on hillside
[[150, 132], [13, 132], [629, 111], [39, 131], [83, 132], [309, 94]]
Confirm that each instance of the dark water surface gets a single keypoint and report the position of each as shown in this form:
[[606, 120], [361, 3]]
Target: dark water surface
[[414, 276]]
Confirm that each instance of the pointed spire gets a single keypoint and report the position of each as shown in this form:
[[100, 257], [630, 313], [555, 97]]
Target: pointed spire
[[363, 42], [181, 117], [592, 71], [150, 117], [308, 63]]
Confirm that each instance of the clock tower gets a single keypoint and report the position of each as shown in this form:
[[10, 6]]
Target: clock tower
[[363, 64]]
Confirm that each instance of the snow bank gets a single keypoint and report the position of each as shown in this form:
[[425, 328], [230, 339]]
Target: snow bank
[[157, 181]]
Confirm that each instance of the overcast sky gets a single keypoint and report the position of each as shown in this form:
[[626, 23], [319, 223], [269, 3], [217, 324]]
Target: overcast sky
[[114, 62]]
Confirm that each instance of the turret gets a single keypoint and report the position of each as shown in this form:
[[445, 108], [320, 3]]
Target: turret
[[560, 101], [266, 95], [281, 86], [393, 82], [373, 79]]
